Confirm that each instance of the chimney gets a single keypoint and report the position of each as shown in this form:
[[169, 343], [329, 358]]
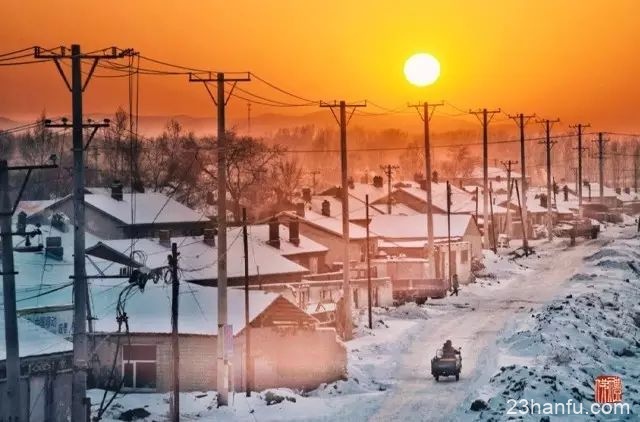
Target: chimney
[[338, 193], [209, 237], [21, 226], [618, 191], [53, 247], [164, 237], [300, 209], [326, 208], [294, 232], [627, 190], [543, 200], [274, 233], [378, 181], [306, 194], [116, 190], [351, 183], [565, 191], [423, 184]]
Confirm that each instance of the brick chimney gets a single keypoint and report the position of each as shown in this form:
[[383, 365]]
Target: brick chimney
[[306, 194], [300, 209], [326, 208], [423, 184], [543, 200], [378, 181], [627, 190], [116, 190], [209, 237], [164, 237], [294, 231], [274, 233]]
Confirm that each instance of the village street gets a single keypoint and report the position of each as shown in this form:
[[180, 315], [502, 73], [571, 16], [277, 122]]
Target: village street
[[474, 324]]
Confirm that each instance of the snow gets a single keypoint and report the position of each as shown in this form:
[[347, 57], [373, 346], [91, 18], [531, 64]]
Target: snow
[[261, 233], [150, 207], [415, 226], [198, 308], [33, 340], [334, 225], [35, 207], [198, 260]]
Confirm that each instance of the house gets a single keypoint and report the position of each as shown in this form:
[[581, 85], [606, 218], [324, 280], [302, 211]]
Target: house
[[495, 175], [115, 214], [629, 199], [46, 368], [591, 194], [287, 348], [407, 235], [199, 256], [288, 241], [319, 294], [327, 230]]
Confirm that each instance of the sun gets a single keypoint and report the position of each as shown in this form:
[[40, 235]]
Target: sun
[[422, 69]]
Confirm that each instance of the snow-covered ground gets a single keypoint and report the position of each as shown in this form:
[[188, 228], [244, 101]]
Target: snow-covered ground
[[541, 327]]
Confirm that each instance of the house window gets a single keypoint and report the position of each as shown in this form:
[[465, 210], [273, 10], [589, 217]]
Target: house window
[[139, 366], [464, 256]]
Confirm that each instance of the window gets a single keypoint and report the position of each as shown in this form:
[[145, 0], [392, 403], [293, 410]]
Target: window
[[464, 256], [139, 366]]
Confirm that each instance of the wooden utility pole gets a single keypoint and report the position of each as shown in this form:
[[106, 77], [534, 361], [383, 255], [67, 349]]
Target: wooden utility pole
[[449, 230], [522, 120], [223, 350], [524, 231], [580, 127], [601, 142], [388, 169], [425, 115], [493, 222], [249, 119], [507, 166], [314, 173], [175, 344], [248, 367], [11, 400], [636, 162], [343, 121], [368, 258], [549, 144], [79, 401], [487, 115]]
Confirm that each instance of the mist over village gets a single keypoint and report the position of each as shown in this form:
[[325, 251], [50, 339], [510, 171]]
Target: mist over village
[[319, 211]]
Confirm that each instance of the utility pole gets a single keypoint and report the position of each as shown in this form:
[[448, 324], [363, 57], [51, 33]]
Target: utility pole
[[507, 166], [485, 166], [522, 120], [425, 115], [247, 359], [368, 258], [548, 143], [79, 401], [636, 162], [175, 345], [449, 230], [220, 100], [601, 142], [580, 127], [343, 121], [493, 222], [249, 119], [314, 173], [12, 390], [388, 169]]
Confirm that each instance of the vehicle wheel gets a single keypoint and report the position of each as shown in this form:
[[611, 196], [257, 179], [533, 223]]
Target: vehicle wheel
[[457, 377], [437, 378]]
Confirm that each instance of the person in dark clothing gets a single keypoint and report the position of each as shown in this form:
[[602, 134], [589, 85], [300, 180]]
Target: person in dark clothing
[[455, 285], [448, 351]]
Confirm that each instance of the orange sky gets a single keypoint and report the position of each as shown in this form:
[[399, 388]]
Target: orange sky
[[577, 60]]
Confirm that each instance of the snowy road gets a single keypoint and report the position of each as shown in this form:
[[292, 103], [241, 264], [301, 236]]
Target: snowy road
[[475, 324]]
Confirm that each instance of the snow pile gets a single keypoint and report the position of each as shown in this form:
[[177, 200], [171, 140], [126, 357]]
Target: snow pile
[[558, 353]]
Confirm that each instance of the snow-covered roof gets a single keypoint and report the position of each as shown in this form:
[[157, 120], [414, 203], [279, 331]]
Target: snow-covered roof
[[333, 225], [35, 207], [461, 201], [198, 260], [357, 208], [632, 196], [595, 191], [33, 340], [150, 207], [261, 233], [492, 173], [149, 311], [415, 226]]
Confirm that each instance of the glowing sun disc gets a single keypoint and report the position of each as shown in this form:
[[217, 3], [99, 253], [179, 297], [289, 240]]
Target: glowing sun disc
[[422, 69]]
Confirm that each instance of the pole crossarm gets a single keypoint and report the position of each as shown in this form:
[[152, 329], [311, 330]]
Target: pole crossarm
[[29, 169], [213, 77], [336, 104], [90, 124], [431, 106], [62, 53], [480, 112]]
